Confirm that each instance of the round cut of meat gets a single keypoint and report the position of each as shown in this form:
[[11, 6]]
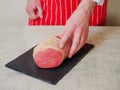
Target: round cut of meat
[[48, 58], [48, 54]]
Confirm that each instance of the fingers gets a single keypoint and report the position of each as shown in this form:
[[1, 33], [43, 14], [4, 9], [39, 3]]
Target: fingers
[[31, 12], [75, 42], [34, 9], [32, 15], [83, 39], [63, 32], [79, 37], [40, 10], [81, 43], [68, 33]]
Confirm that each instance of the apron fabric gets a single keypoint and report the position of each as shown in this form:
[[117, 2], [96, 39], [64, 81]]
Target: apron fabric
[[56, 12]]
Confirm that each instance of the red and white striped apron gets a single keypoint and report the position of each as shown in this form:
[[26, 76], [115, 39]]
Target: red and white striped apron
[[56, 12]]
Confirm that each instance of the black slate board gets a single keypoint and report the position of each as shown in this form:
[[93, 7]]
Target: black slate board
[[26, 65]]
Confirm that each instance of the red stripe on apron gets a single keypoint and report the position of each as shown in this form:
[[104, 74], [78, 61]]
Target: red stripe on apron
[[56, 12]]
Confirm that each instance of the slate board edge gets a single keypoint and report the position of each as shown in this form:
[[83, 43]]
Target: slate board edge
[[7, 65]]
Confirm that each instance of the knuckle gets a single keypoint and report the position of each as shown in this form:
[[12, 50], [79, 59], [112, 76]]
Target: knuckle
[[63, 41], [28, 10], [76, 42], [40, 11], [72, 49]]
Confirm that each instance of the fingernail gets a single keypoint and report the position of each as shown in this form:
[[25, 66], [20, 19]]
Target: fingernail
[[70, 55], [41, 16], [60, 45]]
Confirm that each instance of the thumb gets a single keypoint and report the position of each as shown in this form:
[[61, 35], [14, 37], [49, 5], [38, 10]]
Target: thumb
[[40, 11]]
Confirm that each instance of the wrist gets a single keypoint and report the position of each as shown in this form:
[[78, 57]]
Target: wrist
[[87, 6]]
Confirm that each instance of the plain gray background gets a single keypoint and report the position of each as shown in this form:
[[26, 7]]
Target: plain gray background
[[12, 13]]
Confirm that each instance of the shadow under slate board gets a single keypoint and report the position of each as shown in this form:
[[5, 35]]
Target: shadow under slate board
[[26, 65]]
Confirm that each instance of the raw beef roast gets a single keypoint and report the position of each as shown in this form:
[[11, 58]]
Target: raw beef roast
[[48, 54]]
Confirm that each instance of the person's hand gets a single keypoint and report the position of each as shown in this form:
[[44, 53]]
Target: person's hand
[[34, 9], [76, 28]]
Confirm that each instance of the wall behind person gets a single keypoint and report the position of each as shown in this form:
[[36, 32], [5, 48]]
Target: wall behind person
[[12, 13], [113, 13]]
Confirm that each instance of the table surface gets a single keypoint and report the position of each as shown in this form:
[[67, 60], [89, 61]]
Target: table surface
[[98, 70]]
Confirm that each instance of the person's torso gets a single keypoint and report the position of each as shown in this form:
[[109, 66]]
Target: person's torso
[[56, 12]]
